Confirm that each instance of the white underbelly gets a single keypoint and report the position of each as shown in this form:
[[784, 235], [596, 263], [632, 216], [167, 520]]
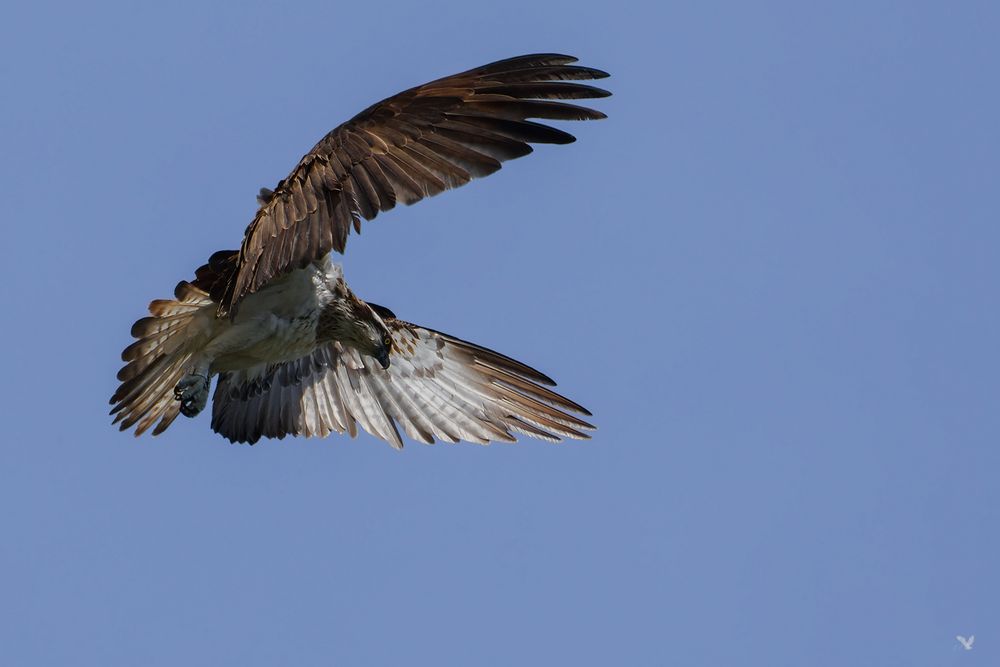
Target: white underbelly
[[274, 325], [265, 341], [291, 339]]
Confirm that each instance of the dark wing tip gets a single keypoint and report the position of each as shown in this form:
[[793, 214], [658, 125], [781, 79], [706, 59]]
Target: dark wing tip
[[530, 60], [596, 93]]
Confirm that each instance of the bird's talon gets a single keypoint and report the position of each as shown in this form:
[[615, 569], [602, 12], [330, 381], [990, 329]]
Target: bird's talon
[[192, 392]]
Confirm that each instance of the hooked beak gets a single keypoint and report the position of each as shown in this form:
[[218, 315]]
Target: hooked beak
[[382, 357]]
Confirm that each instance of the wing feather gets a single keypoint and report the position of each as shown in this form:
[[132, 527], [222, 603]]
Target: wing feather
[[410, 146], [437, 387]]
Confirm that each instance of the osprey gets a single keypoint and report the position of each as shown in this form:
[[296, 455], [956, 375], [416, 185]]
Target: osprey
[[295, 350]]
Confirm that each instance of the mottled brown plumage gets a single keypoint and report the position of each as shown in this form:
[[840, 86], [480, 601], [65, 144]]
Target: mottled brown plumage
[[412, 145]]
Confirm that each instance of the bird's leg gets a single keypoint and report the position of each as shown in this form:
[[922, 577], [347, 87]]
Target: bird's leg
[[192, 391]]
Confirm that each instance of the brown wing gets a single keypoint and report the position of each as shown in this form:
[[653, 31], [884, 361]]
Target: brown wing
[[436, 387], [413, 145], [214, 276]]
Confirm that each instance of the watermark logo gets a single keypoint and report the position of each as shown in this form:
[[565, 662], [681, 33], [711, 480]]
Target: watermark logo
[[966, 643]]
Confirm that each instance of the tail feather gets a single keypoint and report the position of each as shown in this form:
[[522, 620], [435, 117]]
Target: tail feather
[[150, 347], [167, 343]]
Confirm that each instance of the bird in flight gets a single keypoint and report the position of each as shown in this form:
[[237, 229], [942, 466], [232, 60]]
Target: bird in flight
[[296, 352]]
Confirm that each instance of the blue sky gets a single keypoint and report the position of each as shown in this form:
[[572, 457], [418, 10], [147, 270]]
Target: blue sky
[[771, 274]]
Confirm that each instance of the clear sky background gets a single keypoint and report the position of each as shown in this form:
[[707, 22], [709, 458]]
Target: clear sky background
[[772, 275]]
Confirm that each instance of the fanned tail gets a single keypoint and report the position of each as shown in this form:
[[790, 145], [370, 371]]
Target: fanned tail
[[167, 342]]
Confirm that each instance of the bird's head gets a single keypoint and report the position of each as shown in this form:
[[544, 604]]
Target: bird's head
[[356, 324], [371, 335]]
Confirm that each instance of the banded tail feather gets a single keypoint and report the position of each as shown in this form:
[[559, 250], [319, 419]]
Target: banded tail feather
[[167, 342]]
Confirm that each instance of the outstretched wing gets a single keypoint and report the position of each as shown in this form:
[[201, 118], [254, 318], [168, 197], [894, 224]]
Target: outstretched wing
[[437, 387], [412, 145]]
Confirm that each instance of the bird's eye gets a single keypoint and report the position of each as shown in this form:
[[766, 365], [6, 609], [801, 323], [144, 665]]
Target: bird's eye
[[387, 341]]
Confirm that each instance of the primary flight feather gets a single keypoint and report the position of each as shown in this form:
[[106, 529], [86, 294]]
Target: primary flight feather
[[295, 351]]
